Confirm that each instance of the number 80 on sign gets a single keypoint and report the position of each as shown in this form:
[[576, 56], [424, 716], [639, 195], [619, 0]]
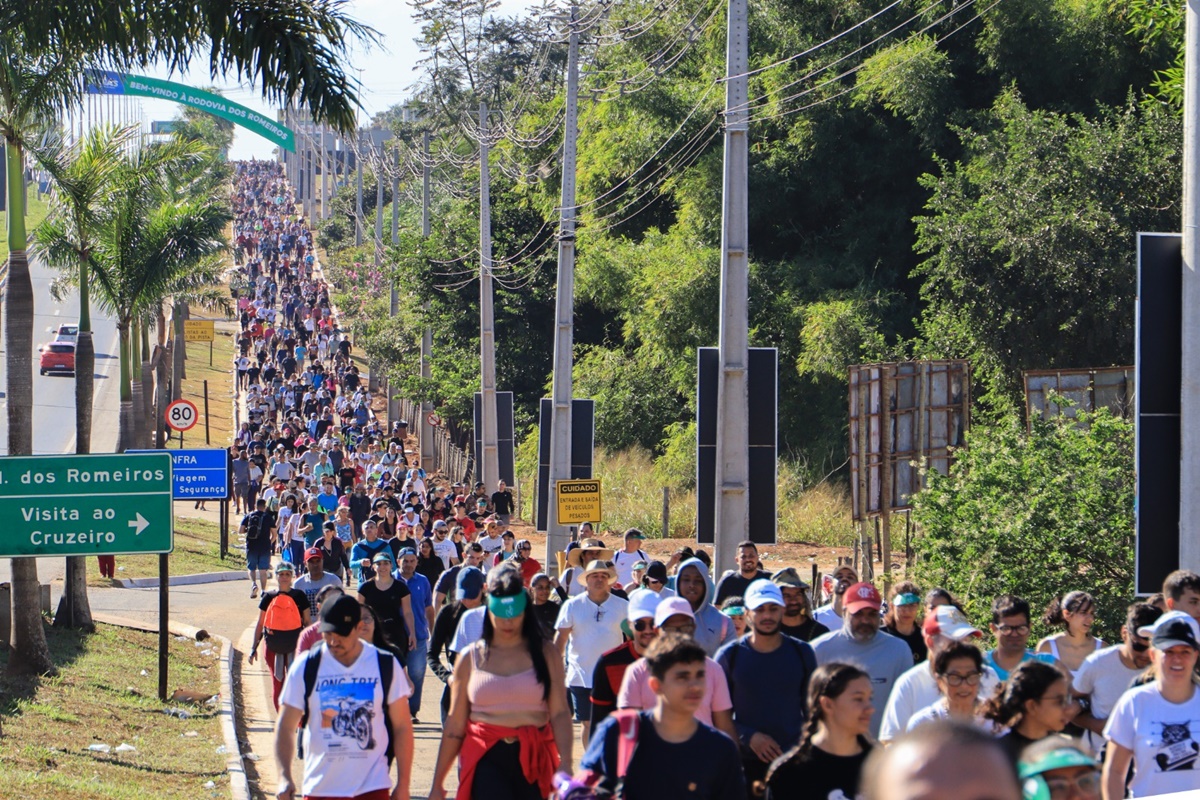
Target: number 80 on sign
[[182, 415]]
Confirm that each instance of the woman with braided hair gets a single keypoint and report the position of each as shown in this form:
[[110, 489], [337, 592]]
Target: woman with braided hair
[[826, 764]]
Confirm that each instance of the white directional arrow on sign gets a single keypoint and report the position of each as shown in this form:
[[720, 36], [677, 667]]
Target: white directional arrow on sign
[[141, 523]]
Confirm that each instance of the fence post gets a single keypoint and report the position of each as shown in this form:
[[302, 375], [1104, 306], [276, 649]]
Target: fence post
[[666, 513]]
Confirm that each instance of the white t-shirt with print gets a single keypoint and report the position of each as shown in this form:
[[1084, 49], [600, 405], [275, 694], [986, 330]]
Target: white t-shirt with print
[[1164, 738], [595, 629], [343, 757], [445, 550]]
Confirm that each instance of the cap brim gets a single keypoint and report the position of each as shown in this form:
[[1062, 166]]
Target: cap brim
[[329, 627], [1056, 759], [960, 632], [634, 616], [1166, 644]]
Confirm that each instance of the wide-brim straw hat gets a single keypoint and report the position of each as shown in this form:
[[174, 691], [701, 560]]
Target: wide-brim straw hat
[[575, 557], [598, 565]]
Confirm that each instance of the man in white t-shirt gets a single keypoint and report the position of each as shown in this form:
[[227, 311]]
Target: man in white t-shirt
[[830, 614], [625, 558], [917, 688], [492, 541], [1107, 674], [342, 756], [589, 625], [443, 548]]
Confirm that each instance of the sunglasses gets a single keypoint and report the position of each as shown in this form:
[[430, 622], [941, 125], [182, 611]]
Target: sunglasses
[[1139, 647], [643, 625]]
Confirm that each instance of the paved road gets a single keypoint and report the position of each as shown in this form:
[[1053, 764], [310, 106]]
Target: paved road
[[54, 395]]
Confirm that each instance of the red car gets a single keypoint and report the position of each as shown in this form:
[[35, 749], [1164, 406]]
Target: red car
[[58, 357]]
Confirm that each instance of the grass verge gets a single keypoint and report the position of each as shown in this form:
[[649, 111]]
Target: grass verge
[[106, 693], [220, 388], [197, 550], [35, 214]]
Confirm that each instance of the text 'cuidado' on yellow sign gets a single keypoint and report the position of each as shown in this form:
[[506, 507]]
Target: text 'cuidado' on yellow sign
[[578, 501]]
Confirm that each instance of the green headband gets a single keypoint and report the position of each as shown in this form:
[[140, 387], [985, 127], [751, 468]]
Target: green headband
[[507, 607], [906, 599]]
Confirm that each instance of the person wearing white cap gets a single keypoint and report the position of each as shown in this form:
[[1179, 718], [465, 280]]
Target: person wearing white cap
[[1156, 727], [610, 670], [768, 674], [716, 709], [589, 625], [917, 688]]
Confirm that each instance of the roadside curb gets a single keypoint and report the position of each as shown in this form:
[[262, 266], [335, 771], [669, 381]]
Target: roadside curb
[[182, 580], [239, 784]]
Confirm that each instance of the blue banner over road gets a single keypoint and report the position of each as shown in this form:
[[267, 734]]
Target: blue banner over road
[[201, 474], [106, 82]]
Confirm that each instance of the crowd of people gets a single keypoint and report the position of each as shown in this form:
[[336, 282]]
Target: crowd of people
[[683, 684]]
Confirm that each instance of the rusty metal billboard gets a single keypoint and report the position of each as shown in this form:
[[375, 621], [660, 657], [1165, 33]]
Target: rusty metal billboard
[[905, 418], [1084, 389]]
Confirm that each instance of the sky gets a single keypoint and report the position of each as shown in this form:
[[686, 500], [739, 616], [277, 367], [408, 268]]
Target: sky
[[386, 71]]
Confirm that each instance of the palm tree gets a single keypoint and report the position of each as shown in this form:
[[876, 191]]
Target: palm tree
[[82, 175], [148, 244], [31, 87], [293, 51]]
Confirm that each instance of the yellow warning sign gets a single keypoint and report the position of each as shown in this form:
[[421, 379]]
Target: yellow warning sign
[[578, 501], [199, 330]]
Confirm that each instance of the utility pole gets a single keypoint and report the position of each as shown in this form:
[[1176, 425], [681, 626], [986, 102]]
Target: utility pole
[[325, 164], [427, 460], [1189, 468], [732, 520], [489, 459], [358, 206], [393, 399], [557, 536]]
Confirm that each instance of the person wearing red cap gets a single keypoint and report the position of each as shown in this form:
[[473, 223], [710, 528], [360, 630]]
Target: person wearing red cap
[[317, 578], [860, 642]]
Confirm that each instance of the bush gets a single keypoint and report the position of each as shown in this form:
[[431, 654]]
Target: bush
[[1035, 514]]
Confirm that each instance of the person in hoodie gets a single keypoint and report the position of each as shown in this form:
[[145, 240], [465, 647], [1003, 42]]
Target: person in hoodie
[[693, 583]]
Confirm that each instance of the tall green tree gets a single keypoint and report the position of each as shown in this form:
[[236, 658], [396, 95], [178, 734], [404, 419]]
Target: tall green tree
[[150, 243], [294, 52], [31, 88], [82, 174]]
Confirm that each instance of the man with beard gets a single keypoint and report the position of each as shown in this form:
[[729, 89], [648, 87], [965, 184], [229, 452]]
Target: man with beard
[[860, 642], [830, 614], [768, 674], [797, 622], [734, 583]]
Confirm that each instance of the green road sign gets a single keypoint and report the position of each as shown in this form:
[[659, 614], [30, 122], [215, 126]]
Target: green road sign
[[83, 505]]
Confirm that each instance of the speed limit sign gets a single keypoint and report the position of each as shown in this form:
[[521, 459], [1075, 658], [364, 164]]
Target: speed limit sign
[[182, 415]]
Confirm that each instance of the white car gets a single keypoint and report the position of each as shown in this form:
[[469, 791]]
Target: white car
[[67, 333]]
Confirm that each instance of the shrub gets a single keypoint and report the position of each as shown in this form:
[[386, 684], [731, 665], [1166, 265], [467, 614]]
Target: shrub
[[1034, 514]]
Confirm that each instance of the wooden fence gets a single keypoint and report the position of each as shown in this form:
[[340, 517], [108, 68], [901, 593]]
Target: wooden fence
[[448, 458]]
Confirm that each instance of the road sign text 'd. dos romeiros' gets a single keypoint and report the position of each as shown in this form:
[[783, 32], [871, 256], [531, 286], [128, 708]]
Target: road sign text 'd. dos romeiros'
[[578, 501], [82, 505]]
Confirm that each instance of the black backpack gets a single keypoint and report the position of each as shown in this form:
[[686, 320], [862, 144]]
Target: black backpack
[[254, 525], [313, 663]]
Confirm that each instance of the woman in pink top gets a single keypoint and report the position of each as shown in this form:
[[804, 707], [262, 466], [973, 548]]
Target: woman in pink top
[[674, 615], [509, 722]]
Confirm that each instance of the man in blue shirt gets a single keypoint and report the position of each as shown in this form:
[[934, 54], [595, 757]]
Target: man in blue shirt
[[1010, 625], [768, 675], [422, 608]]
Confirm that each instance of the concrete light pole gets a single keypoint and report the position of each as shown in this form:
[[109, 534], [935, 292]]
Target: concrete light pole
[[1189, 468], [732, 519], [489, 459], [557, 536]]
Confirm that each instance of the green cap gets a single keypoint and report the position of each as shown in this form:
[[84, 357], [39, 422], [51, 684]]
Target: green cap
[[1058, 758], [507, 607]]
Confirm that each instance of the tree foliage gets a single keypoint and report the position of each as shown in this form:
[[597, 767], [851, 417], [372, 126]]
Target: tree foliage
[[1034, 514], [958, 186]]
